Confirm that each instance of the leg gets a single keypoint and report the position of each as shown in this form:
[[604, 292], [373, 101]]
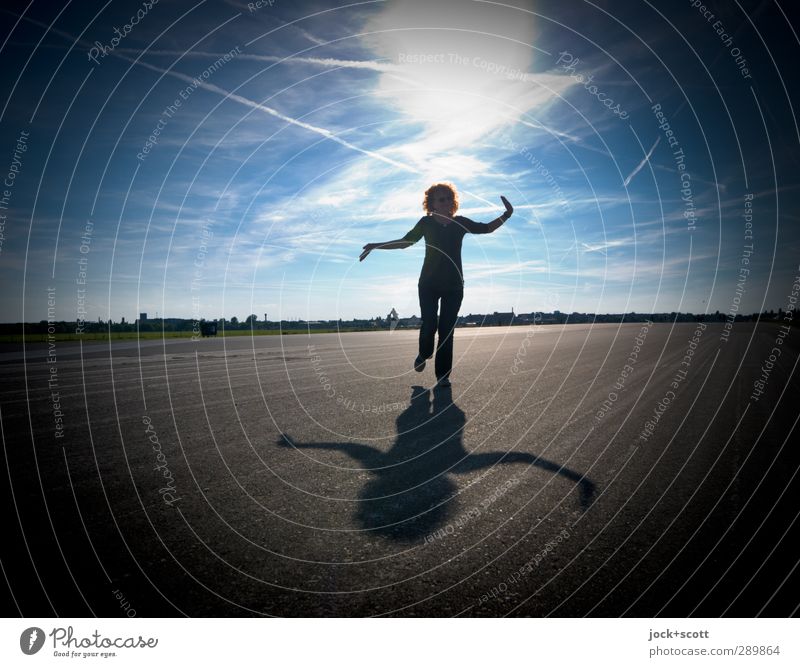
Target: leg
[[451, 303], [428, 303]]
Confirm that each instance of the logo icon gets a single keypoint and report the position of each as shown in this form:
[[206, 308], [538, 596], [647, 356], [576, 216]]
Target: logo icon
[[31, 640]]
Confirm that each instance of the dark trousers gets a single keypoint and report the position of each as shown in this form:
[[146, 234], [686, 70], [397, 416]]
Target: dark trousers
[[444, 323]]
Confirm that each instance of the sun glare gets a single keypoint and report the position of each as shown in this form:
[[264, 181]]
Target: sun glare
[[457, 80]]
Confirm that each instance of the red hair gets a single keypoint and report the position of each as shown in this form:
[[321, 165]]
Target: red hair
[[427, 202]]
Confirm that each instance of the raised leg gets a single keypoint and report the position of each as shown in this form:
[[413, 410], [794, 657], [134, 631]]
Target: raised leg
[[451, 303]]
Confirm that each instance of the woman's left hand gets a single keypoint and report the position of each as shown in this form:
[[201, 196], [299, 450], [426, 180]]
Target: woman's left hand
[[367, 250], [509, 207]]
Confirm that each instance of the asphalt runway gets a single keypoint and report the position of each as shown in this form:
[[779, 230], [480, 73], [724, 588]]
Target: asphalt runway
[[574, 470]]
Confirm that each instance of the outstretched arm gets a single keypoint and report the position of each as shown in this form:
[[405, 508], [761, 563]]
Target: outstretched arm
[[473, 227], [362, 453], [408, 240], [399, 244], [494, 224]]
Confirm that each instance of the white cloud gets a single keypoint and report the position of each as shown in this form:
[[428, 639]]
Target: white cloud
[[460, 61]]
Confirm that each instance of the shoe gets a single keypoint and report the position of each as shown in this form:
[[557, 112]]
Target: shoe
[[444, 382], [419, 364]]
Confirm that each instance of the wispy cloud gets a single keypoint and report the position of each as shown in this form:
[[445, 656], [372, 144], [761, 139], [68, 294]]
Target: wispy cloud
[[328, 134]]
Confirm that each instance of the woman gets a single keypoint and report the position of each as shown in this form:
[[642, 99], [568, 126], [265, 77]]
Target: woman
[[441, 276]]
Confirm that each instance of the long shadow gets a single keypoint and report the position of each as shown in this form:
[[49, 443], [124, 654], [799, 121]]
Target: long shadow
[[406, 498]]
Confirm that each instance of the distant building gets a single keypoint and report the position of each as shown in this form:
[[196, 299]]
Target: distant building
[[500, 319], [409, 322], [472, 320], [143, 317]]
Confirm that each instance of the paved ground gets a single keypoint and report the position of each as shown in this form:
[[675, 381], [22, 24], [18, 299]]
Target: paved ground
[[260, 476]]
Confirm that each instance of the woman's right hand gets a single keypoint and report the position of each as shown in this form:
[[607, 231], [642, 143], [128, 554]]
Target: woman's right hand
[[509, 207], [367, 249]]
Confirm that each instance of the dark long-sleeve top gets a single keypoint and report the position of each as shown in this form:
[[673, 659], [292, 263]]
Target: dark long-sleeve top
[[442, 265]]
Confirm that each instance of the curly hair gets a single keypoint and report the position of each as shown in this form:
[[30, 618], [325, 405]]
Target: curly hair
[[427, 202]]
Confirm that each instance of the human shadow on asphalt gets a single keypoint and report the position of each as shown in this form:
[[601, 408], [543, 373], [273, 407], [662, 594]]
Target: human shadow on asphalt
[[406, 499]]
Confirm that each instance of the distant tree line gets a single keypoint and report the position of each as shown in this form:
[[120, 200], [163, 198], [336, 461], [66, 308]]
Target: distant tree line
[[175, 324]]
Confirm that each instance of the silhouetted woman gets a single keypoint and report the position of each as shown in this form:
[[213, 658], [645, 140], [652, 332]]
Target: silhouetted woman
[[441, 276]]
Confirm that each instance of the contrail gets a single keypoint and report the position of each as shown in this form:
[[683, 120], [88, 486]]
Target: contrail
[[237, 98], [322, 62], [272, 112], [540, 126], [577, 140], [641, 164], [244, 9]]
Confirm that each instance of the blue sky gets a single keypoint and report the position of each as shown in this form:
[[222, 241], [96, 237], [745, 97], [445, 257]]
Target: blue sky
[[327, 122]]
